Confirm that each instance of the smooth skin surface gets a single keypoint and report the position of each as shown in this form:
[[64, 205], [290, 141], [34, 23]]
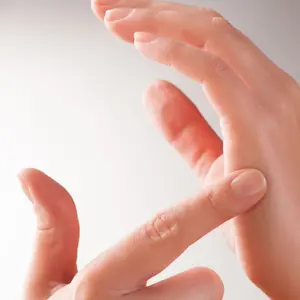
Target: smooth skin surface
[[259, 109], [123, 271]]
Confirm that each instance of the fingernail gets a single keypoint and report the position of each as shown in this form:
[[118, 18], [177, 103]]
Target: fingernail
[[25, 188], [249, 183], [118, 14], [144, 37]]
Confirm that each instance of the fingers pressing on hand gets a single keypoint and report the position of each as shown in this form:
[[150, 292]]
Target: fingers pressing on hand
[[57, 236], [196, 284], [130, 264]]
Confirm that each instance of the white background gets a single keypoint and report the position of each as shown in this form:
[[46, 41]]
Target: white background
[[70, 105]]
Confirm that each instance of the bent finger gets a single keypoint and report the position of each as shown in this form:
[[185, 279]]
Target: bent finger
[[200, 27], [225, 90]]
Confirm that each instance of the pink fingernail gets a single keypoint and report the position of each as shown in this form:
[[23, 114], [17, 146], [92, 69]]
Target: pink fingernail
[[249, 183]]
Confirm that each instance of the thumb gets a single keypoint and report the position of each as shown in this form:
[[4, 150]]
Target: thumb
[[55, 250]]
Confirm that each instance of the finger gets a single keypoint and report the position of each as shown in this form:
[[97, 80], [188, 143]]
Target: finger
[[224, 88], [202, 28], [183, 126], [196, 284], [100, 7], [129, 265], [55, 253], [125, 21]]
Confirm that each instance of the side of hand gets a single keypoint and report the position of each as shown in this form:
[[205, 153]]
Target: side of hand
[[123, 271], [259, 109]]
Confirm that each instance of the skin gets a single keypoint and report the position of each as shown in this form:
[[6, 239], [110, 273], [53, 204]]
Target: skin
[[123, 271], [259, 109]]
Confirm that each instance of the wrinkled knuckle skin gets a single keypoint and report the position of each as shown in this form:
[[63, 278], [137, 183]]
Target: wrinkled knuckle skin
[[173, 52], [218, 66], [161, 227]]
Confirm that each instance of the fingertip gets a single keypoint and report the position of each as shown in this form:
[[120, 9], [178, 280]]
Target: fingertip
[[236, 194], [239, 192], [249, 184], [27, 172], [159, 99], [118, 29], [203, 282], [209, 279], [156, 92], [44, 191], [98, 9], [25, 177]]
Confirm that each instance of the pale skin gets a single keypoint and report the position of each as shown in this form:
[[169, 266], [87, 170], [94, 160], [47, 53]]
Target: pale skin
[[258, 106], [259, 109], [123, 271]]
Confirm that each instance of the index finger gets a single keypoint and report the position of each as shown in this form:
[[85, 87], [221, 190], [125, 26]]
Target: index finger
[[148, 251]]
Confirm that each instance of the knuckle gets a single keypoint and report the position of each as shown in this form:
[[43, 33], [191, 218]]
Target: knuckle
[[218, 65], [210, 195], [173, 52], [161, 227]]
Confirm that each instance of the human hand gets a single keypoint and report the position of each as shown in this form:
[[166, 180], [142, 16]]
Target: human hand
[[259, 109], [123, 271]]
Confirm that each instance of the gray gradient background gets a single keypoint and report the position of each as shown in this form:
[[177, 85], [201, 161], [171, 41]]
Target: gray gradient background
[[70, 105]]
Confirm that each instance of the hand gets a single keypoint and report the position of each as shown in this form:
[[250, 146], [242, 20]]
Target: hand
[[259, 109], [123, 271]]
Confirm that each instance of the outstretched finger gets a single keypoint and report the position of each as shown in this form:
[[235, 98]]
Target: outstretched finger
[[183, 126]]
